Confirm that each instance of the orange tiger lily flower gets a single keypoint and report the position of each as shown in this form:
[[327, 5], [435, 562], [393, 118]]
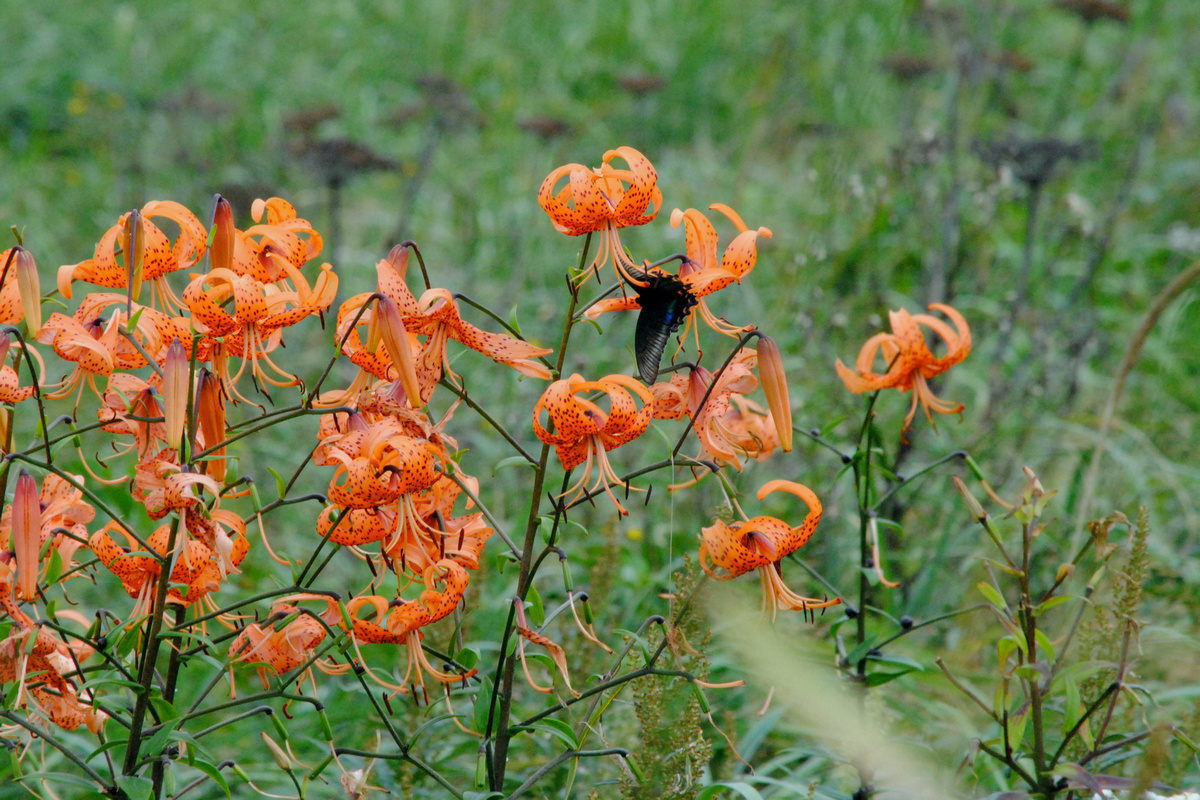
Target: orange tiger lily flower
[[399, 621], [197, 567], [162, 487], [260, 312], [602, 200], [702, 273], [39, 669], [96, 347], [761, 543], [430, 533], [283, 232], [161, 256], [583, 432], [440, 321], [721, 438], [910, 363], [283, 649]]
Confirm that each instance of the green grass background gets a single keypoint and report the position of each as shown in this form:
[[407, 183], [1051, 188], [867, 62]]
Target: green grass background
[[789, 113]]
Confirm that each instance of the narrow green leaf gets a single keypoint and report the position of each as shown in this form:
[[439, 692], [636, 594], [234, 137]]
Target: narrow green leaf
[[537, 612], [512, 461], [994, 597]]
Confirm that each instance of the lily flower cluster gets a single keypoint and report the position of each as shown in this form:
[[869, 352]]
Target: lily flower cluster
[[161, 374]]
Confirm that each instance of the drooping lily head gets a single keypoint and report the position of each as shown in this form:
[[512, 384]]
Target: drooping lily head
[[909, 361], [584, 432], [727, 551]]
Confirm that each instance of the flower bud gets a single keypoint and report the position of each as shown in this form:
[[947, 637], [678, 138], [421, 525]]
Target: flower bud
[[398, 258], [210, 413], [175, 392], [395, 339], [30, 289], [26, 534], [281, 758], [1064, 571], [774, 383], [973, 506], [133, 246], [220, 253]]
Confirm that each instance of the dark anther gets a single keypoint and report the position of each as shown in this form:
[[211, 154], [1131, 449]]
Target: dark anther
[[388, 702], [649, 492], [906, 622], [627, 489]]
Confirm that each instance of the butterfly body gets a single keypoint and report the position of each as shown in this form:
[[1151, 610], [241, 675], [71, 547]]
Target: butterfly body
[[665, 301]]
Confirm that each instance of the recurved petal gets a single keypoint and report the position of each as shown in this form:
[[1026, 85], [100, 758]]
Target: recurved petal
[[642, 190]]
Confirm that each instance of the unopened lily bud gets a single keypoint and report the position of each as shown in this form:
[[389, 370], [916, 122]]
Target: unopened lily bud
[[26, 534], [5, 423], [210, 413], [175, 392], [29, 288], [133, 245], [395, 339], [281, 758], [398, 258], [774, 383], [973, 505], [220, 252]]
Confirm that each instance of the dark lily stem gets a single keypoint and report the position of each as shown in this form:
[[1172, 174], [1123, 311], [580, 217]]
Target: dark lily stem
[[1028, 620], [157, 772], [152, 643], [37, 395], [862, 496], [507, 665]]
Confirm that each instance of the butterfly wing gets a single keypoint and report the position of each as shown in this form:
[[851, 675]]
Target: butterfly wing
[[666, 301]]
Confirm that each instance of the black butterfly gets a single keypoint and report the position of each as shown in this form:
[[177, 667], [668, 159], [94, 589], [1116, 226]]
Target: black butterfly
[[666, 301]]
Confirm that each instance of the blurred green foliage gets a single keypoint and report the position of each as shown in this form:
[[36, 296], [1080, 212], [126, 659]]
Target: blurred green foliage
[[853, 129]]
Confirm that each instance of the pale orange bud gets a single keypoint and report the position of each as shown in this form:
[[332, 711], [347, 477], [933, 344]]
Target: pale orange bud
[[210, 412], [133, 246], [175, 392], [30, 289], [398, 258], [774, 383], [26, 534], [5, 424], [395, 339], [220, 253]]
